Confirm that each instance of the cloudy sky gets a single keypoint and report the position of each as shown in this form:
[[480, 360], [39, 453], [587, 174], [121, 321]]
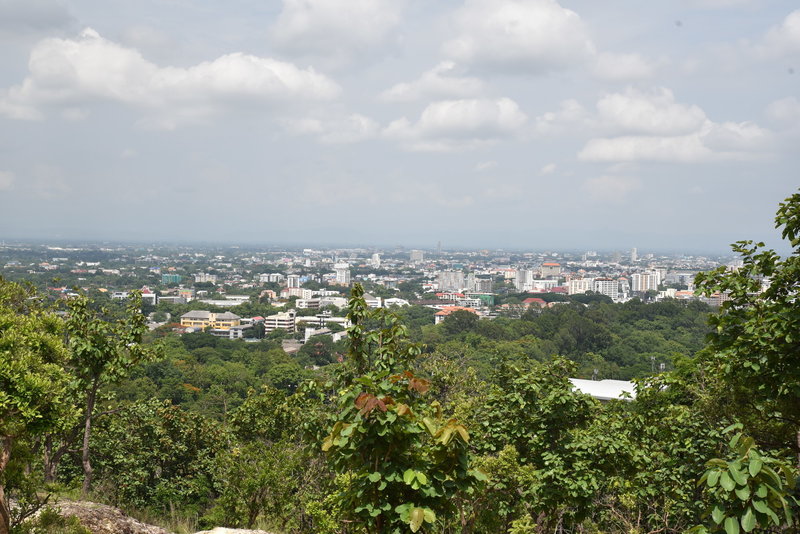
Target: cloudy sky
[[478, 123]]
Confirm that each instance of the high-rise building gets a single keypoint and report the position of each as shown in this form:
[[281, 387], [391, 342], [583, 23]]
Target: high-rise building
[[551, 269], [342, 273], [376, 260], [646, 281], [293, 280], [524, 279], [450, 280], [608, 287], [634, 255], [416, 256]]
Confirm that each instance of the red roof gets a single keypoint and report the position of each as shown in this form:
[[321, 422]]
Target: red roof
[[450, 309], [533, 300]]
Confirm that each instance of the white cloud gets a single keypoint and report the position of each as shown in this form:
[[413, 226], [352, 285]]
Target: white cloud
[[653, 112], [783, 39], [350, 129], [459, 124], [6, 180], [442, 81], [736, 141], [571, 116], [336, 30], [785, 111], [550, 168], [69, 73], [622, 67], [651, 125], [529, 36]]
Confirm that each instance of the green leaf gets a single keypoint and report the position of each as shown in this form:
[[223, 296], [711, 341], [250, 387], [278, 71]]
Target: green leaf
[[374, 477], [731, 525], [713, 478], [422, 478], [430, 516], [416, 519], [408, 476], [749, 520], [737, 475], [717, 514], [755, 466], [726, 481], [743, 493]]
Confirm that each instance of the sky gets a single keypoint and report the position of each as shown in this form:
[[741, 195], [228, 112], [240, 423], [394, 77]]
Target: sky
[[526, 124]]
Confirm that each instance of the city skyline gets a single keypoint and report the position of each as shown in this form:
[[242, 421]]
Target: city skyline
[[517, 124]]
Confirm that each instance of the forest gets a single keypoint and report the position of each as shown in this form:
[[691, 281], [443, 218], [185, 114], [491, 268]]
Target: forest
[[468, 426]]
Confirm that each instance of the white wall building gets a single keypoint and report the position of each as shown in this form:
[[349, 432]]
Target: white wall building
[[285, 320], [608, 287], [342, 271], [450, 280], [580, 285]]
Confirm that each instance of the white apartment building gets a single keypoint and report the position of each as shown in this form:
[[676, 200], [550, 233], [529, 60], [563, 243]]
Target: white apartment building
[[285, 320], [416, 256], [450, 280], [342, 271], [580, 285], [524, 279], [293, 280], [200, 278], [646, 281], [608, 287]]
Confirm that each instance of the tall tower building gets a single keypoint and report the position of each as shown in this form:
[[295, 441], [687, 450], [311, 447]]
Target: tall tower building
[[416, 256], [634, 255], [342, 273]]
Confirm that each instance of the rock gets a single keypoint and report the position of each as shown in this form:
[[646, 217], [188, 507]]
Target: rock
[[223, 530], [102, 519]]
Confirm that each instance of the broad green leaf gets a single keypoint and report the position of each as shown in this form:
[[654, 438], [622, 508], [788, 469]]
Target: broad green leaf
[[416, 519], [713, 478], [726, 481], [408, 476], [738, 476], [755, 466], [717, 514], [374, 477], [731, 525], [430, 516], [748, 520], [422, 478], [760, 506], [743, 493]]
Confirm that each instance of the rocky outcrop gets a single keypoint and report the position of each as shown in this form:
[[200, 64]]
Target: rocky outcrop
[[102, 519]]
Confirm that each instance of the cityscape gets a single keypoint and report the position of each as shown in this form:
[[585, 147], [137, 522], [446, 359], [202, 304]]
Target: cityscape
[[486, 283]]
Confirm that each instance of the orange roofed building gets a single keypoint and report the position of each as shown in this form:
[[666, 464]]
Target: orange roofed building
[[442, 314]]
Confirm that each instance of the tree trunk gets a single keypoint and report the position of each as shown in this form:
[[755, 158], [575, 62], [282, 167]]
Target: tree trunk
[[50, 465], [87, 430], [5, 514]]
